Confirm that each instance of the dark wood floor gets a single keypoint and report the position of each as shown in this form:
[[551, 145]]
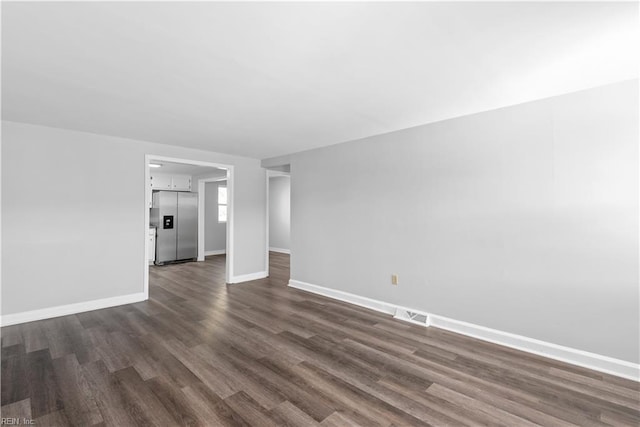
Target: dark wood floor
[[200, 352]]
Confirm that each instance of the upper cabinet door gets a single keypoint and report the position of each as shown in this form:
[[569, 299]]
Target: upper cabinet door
[[181, 183], [161, 182]]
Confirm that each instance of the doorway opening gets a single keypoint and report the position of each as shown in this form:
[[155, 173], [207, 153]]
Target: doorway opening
[[278, 218], [176, 216], [213, 216]]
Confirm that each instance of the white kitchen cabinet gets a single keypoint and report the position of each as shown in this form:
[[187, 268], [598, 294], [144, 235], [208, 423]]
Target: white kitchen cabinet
[[152, 244], [161, 182], [181, 183]]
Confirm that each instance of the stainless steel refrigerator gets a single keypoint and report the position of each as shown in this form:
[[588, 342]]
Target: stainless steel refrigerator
[[175, 216]]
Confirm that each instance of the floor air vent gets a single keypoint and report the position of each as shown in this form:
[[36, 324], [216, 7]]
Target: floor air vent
[[412, 316]]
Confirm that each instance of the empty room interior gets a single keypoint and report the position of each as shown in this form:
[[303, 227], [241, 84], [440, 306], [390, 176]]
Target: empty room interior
[[320, 213]]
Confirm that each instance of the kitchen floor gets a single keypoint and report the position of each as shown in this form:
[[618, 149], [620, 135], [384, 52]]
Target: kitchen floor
[[201, 352]]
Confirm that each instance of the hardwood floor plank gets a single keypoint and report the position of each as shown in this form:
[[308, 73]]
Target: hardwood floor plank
[[110, 350], [144, 405], [223, 384], [60, 344], [55, 419], [11, 335], [357, 398], [292, 416], [110, 397], [175, 402], [163, 362], [316, 406], [14, 373], [79, 404], [245, 380], [338, 419], [210, 407], [461, 416], [20, 410], [590, 384], [410, 404], [617, 419], [44, 390], [34, 337], [496, 415], [252, 412]]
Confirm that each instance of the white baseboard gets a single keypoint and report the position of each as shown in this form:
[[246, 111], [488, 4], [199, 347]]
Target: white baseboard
[[65, 310], [597, 362], [248, 277], [570, 355], [281, 250], [372, 304], [216, 252]]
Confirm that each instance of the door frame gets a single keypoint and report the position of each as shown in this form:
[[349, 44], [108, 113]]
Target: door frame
[[201, 203], [270, 174], [152, 158]]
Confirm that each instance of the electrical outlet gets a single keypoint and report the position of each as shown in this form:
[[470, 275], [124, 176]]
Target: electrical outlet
[[394, 279]]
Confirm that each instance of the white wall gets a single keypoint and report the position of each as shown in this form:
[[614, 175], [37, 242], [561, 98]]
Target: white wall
[[523, 219], [73, 215], [279, 212], [215, 233]]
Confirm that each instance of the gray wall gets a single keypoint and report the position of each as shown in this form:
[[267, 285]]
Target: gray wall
[[73, 215], [523, 219], [279, 212], [215, 233]]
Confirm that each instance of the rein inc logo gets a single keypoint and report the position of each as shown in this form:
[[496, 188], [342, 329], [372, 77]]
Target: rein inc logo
[[9, 421]]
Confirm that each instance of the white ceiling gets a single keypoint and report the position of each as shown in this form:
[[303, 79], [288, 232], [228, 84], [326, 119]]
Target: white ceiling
[[266, 79]]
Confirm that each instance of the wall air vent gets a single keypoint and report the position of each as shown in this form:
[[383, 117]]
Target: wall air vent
[[412, 316]]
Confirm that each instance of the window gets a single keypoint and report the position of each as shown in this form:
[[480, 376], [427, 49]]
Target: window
[[222, 204]]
